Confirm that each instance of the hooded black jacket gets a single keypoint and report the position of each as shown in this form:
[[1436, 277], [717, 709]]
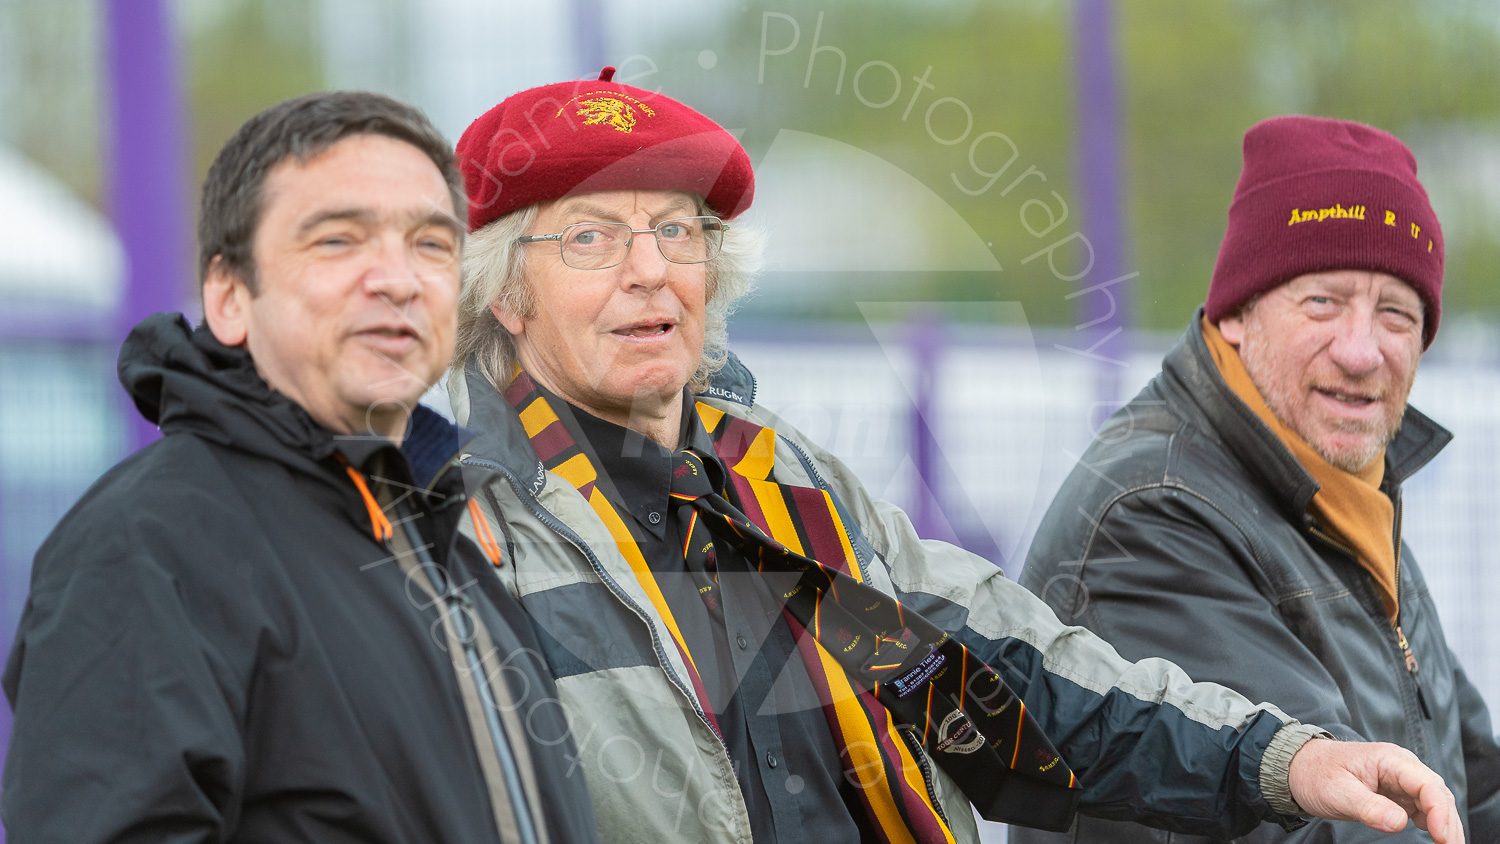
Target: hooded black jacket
[[1183, 533], [216, 647]]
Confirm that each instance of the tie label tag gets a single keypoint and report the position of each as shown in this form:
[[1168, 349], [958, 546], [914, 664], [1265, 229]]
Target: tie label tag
[[913, 679]]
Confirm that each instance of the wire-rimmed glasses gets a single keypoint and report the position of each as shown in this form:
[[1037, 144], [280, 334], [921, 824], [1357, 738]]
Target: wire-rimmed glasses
[[599, 246]]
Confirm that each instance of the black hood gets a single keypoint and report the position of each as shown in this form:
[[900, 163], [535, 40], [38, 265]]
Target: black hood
[[187, 381]]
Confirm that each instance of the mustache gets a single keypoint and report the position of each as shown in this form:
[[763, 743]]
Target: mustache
[[1378, 385]]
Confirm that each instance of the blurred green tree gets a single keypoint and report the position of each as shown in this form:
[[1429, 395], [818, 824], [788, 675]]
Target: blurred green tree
[[50, 93], [1193, 77], [243, 56]]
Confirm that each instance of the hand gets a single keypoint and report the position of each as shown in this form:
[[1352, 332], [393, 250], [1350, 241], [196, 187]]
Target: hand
[[1379, 785]]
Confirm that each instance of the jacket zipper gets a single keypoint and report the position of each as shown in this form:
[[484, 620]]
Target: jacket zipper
[[908, 735], [556, 526], [456, 604], [1402, 643]]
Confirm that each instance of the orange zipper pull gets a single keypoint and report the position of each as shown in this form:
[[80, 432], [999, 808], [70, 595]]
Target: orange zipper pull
[[379, 524]]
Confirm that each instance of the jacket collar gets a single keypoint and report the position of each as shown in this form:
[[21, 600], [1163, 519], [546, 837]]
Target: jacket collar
[[185, 380], [499, 437], [1192, 380], [733, 382], [188, 382]]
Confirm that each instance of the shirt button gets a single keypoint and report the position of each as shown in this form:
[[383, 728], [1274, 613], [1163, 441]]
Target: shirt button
[[740, 640], [770, 759], [654, 518]]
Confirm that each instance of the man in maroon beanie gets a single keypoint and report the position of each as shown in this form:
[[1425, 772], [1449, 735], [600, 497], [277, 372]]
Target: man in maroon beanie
[[1242, 516], [749, 646]]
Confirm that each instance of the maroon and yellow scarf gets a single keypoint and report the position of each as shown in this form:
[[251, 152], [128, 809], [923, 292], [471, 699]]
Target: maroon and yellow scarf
[[875, 756]]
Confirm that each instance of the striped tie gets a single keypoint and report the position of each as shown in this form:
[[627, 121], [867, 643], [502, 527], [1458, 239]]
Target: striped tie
[[963, 713]]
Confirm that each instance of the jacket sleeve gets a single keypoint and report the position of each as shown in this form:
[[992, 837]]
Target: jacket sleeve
[[1147, 744], [1118, 578], [1481, 759], [122, 731]]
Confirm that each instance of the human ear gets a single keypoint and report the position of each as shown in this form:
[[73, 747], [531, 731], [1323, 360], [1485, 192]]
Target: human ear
[[1233, 329], [508, 319], [226, 304]]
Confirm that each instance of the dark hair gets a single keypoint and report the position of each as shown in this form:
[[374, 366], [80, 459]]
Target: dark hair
[[300, 128]]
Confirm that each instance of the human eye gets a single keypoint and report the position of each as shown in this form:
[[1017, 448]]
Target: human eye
[[1399, 316], [592, 236], [334, 241], [675, 230], [1321, 304], [436, 245]]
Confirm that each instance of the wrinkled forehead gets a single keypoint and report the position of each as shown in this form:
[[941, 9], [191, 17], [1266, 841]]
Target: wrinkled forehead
[[1354, 283], [618, 207]]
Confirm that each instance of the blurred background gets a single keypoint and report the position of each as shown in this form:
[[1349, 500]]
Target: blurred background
[[987, 220]]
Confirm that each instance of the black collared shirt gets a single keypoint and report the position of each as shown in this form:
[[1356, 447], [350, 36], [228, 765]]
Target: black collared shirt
[[789, 769]]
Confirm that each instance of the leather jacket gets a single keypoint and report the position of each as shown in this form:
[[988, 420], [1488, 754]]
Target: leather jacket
[[1184, 533]]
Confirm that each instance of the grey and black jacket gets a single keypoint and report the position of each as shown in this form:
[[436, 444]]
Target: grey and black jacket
[[1183, 534], [1146, 742]]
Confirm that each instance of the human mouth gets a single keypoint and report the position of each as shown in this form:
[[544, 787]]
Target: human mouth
[[646, 330], [391, 339], [1350, 399]]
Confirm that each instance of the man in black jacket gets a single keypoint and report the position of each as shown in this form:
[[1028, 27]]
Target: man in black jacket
[[1242, 516], [267, 626]]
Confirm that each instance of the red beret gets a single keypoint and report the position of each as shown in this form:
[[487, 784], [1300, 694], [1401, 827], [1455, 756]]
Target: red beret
[[1318, 194], [596, 135]]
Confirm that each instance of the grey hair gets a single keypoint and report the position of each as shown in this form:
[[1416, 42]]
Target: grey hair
[[494, 272]]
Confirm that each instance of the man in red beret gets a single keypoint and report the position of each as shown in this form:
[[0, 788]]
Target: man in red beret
[[1242, 517], [749, 646]]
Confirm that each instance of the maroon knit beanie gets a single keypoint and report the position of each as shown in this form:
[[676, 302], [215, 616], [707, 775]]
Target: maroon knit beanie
[[1318, 195], [596, 135]]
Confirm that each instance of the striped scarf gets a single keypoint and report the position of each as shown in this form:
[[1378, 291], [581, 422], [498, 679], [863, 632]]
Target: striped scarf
[[877, 756]]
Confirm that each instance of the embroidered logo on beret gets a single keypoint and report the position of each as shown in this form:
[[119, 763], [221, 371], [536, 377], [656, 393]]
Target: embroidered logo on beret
[[609, 108]]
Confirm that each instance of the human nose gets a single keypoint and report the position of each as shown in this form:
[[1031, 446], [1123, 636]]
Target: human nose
[[394, 274], [1356, 347], [644, 267]]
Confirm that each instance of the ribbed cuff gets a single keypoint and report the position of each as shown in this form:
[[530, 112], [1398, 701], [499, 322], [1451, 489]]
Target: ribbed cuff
[[1276, 766]]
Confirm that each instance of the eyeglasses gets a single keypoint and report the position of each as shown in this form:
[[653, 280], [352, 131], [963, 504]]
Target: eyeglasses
[[599, 246]]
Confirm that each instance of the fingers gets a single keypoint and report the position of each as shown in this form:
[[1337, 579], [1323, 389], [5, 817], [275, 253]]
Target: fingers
[[1404, 779], [1379, 785], [1380, 813]]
